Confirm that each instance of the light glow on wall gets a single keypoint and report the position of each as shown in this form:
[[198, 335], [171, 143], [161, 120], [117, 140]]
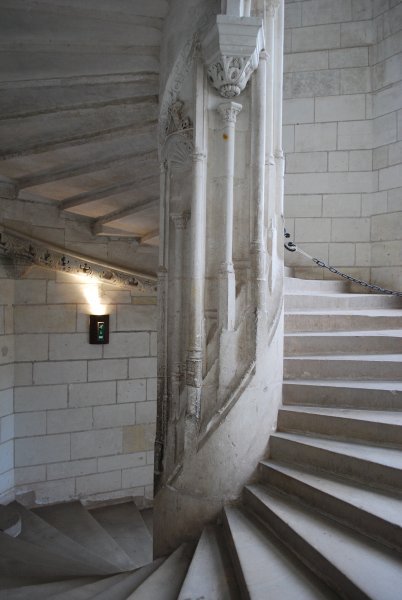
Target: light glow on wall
[[92, 296]]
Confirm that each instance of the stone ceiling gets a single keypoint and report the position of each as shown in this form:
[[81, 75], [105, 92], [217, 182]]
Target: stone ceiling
[[79, 108]]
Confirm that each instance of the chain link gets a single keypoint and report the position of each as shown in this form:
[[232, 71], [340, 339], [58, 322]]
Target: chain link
[[292, 247]]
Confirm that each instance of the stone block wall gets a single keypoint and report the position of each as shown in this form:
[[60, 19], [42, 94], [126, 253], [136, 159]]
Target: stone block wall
[[78, 420], [7, 353], [342, 95]]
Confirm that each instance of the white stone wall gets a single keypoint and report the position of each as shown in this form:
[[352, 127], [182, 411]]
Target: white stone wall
[[83, 414], [6, 384], [386, 219], [342, 96]]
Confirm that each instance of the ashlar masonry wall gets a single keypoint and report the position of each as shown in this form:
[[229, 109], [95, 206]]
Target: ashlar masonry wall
[[7, 354], [342, 135], [83, 422]]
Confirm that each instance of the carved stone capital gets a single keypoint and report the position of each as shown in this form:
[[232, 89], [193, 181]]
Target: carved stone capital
[[194, 369], [229, 111], [231, 52], [272, 6], [180, 220]]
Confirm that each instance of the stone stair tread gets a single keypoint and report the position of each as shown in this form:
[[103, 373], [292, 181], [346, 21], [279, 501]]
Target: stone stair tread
[[40, 533], [148, 515], [21, 558], [210, 574], [353, 312], [375, 502], [76, 522], [362, 383], [377, 416], [166, 581], [129, 584], [372, 569], [389, 457], [124, 523], [90, 590], [45, 590], [358, 333], [267, 568], [350, 357]]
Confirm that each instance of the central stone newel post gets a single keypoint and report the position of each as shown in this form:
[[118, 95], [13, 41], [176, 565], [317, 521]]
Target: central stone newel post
[[220, 322]]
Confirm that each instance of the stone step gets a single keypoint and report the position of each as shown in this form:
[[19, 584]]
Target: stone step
[[166, 581], [339, 301], [210, 574], [378, 427], [22, 559], [343, 342], [295, 284], [373, 513], [10, 521], [90, 590], [45, 590], [40, 533], [352, 564], [122, 590], [76, 522], [265, 567], [380, 468], [367, 320], [124, 523], [370, 395], [364, 366]]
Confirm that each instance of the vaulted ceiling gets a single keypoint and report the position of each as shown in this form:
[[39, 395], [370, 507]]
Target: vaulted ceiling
[[79, 108]]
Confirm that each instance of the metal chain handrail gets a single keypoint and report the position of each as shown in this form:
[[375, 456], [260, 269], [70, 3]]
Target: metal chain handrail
[[292, 247]]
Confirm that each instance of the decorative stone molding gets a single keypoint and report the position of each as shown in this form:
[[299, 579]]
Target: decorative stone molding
[[231, 51], [38, 252]]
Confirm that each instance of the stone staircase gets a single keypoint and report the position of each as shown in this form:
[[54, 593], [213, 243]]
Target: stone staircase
[[323, 519]]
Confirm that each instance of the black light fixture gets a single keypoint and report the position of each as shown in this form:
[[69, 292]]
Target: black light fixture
[[98, 329]]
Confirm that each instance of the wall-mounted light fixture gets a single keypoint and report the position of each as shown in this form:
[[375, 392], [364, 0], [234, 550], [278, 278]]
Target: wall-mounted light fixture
[[98, 329]]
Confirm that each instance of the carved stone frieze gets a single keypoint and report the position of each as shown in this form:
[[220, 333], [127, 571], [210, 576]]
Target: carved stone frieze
[[231, 52], [38, 252]]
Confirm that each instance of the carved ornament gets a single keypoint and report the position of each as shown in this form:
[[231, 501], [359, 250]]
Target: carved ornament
[[229, 111], [231, 51], [38, 252], [178, 146]]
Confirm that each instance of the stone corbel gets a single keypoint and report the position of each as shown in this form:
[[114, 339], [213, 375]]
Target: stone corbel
[[231, 51]]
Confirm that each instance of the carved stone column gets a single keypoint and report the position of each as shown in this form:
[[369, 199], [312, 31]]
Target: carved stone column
[[162, 411], [180, 221], [258, 246], [227, 291]]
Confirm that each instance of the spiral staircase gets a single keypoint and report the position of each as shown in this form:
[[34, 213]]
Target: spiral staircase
[[323, 518]]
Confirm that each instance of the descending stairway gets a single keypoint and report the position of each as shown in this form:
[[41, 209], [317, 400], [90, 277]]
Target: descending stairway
[[323, 520]]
